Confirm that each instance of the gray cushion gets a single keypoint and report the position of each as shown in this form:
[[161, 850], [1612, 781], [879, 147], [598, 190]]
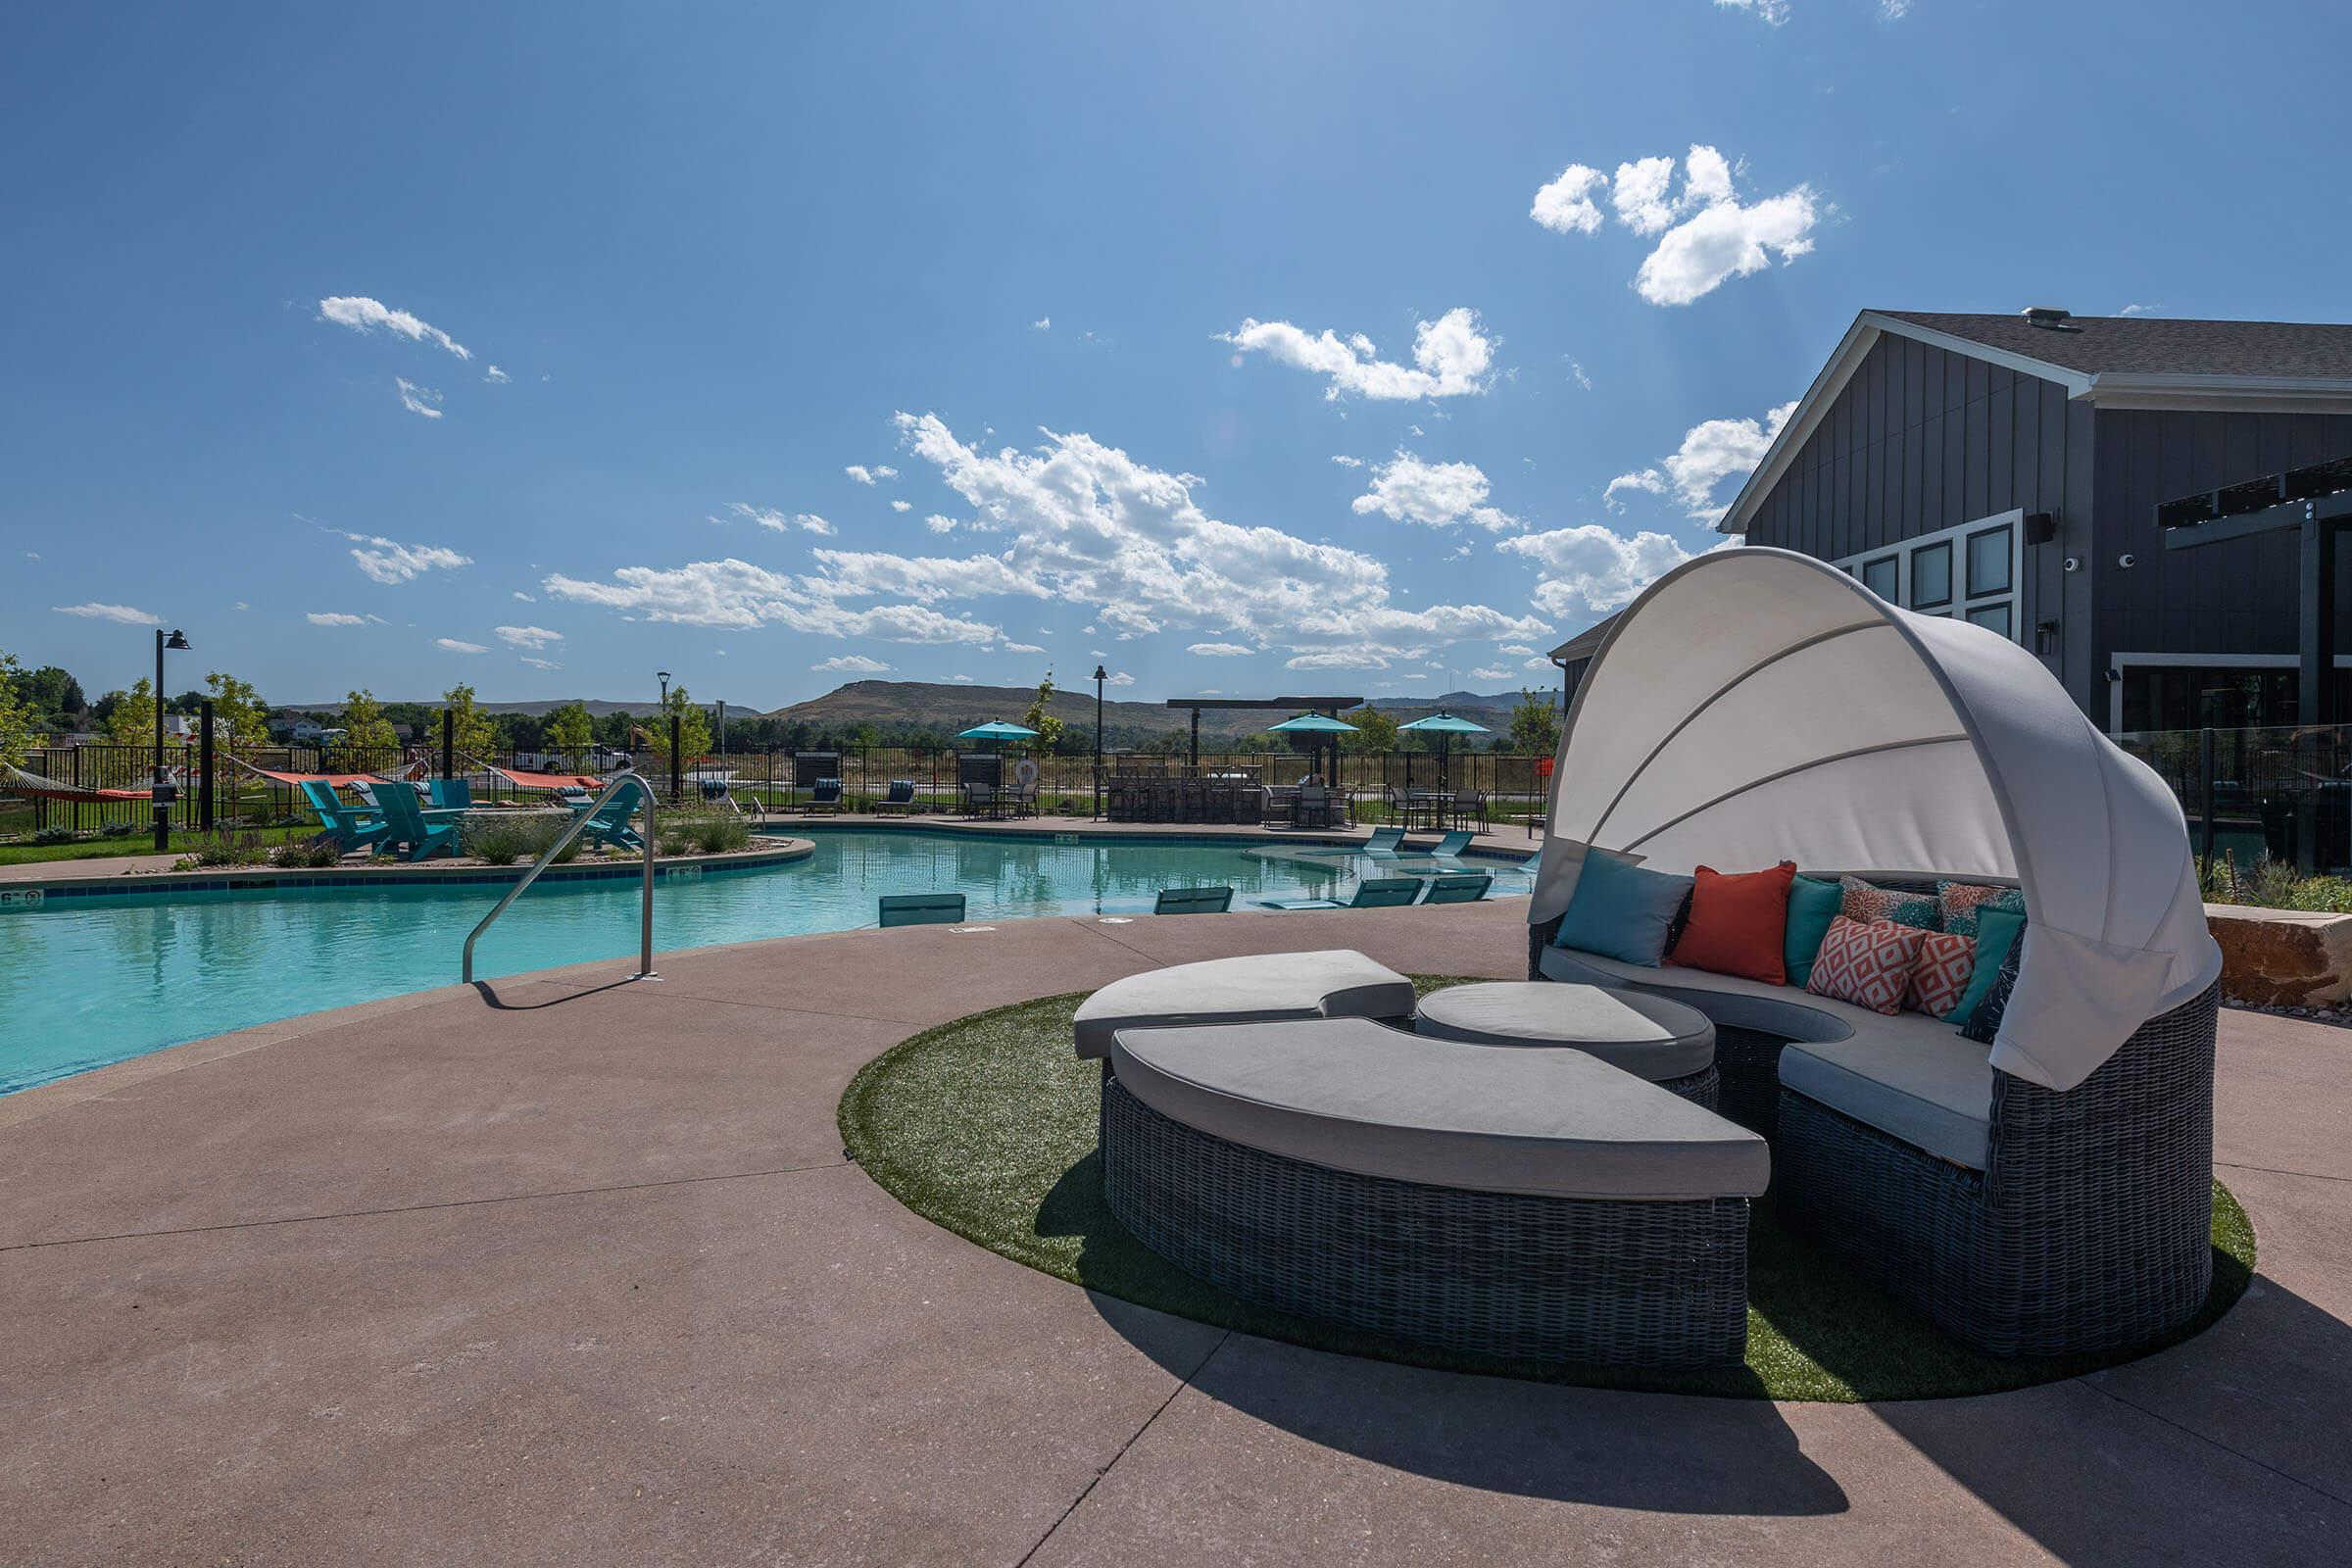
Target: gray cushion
[[1910, 1075], [1358, 1096], [1337, 982], [1933, 1092], [1649, 1037]]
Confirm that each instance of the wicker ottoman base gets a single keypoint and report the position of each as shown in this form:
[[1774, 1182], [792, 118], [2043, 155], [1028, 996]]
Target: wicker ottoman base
[[1551, 1279]]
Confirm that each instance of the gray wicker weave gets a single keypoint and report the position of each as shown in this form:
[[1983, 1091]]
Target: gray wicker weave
[[2089, 1229], [1552, 1279]]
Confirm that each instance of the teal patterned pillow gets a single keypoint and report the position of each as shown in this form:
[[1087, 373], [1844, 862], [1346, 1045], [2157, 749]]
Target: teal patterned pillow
[[1962, 902], [1863, 902]]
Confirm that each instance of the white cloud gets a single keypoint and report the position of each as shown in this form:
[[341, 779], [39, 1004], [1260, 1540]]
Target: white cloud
[[1023, 648], [241, 605], [1894, 10], [849, 664], [418, 399], [859, 472], [1515, 650], [959, 679], [1043, 323], [1592, 568], [334, 618], [1440, 494], [1577, 372], [1220, 650], [1122, 679], [1489, 674], [387, 561], [2135, 310], [95, 611], [525, 597], [1451, 357], [1775, 12], [363, 314], [496, 377], [1712, 451], [456, 646], [939, 524], [534, 638], [860, 574], [1346, 462], [1705, 234], [737, 594], [1541, 663], [902, 505], [770, 519], [541, 663]]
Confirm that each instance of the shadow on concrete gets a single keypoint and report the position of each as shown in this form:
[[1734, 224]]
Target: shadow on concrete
[[488, 991], [1656, 1453]]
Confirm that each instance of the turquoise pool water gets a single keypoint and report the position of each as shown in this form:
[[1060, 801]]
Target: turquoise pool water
[[85, 982]]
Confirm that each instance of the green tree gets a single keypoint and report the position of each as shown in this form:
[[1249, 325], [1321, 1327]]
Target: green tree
[[238, 705], [131, 720], [48, 690], [1374, 732], [1041, 718], [1534, 724], [471, 729], [364, 724], [571, 731], [694, 728], [19, 723]]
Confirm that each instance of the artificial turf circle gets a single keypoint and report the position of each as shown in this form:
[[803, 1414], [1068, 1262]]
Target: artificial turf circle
[[987, 1126]]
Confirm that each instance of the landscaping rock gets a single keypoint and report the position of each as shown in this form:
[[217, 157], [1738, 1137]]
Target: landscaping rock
[[2283, 958]]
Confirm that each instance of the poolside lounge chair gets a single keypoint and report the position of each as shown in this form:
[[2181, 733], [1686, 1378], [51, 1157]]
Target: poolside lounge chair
[[921, 909], [1384, 841], [1453, 842], [900, 799], [1193, 900], [1372, 892], [450, 794], [824, 796], [411, 828], [349, 827], [1458, 887], [609, 827]]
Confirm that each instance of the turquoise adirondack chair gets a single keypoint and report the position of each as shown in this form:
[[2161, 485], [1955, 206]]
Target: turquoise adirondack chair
[[1372, 892], [412, 827], [350, 827], [610, 823], [451, 794]]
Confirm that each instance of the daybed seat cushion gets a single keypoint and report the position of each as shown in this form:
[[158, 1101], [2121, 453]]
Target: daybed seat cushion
[[1356, 1095], [1263, 986], [1649, 1035], [1909, 1075]]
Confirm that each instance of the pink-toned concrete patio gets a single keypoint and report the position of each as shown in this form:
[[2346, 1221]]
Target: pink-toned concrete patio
[[573, 1271]]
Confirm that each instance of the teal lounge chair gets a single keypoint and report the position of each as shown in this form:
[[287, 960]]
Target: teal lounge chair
[[411, 827], [1384, 841], [1459, 887], [350, 827], [1372, 892], [921, 909], [609, 825], [1193, 900], [1453, 842], [450, 794]]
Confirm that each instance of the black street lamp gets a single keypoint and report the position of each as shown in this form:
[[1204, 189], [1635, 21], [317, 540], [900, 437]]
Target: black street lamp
[[1101, 675], [161, 791]]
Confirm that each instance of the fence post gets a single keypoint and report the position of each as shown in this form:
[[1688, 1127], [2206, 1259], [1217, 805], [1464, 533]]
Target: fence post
[[448, 743], [676, 779], [2205, 801], [204, 753]]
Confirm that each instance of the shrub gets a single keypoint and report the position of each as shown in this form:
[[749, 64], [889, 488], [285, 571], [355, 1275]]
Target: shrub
[[2274, 885], [121, 830], [717, 835], [229, 849], [504, 840], [317, 852], [54, 835], [672, 841]]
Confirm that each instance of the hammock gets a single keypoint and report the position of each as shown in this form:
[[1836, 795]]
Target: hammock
[[522, 780], [36, 786], [340, 781]]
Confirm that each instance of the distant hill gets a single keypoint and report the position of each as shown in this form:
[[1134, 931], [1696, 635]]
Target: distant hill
[[597, 707]]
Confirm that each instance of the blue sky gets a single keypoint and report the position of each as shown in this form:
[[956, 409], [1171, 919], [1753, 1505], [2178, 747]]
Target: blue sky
[[1094, 296]]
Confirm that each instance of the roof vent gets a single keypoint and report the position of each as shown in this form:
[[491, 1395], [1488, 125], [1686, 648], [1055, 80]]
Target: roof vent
[[2050, 318]]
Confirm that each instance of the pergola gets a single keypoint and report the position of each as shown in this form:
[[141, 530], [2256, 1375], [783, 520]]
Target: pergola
[[1330, 705]]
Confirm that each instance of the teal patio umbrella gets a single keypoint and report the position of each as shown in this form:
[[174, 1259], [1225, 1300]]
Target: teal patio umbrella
[[995, 730], [1320, 724], [1443, 725]]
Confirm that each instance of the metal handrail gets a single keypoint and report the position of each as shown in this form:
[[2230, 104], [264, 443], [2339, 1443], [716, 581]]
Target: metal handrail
[[579, 825]]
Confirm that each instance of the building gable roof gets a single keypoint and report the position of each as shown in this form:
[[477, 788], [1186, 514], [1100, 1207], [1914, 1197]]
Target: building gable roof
[[2117, 362]]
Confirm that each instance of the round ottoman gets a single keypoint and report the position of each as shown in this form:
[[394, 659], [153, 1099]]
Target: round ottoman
[[1671, 1045]]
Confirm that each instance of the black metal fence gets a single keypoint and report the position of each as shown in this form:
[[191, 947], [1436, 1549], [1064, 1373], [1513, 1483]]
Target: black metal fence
[[2283, 794]]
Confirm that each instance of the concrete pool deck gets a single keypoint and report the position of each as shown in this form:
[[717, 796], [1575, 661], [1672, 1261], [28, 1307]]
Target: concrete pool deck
[[575, 1270]]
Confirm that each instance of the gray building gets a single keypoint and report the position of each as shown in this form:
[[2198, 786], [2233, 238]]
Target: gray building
[[2008, 468]]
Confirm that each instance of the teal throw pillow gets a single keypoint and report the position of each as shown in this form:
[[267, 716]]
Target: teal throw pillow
[[1997, 932], [1812, 905]]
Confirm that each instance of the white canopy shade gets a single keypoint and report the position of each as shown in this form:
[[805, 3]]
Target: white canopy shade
[[1756, 705]]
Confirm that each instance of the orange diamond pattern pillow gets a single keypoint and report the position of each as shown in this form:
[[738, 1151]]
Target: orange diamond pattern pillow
[[1869, 966], [1939, 977]]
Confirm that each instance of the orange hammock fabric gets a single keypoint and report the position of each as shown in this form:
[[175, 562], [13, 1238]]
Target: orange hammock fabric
[[340, 781], [549, 781], [36, 786]]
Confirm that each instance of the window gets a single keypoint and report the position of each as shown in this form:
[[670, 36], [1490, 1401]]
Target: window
[[1971, 571]]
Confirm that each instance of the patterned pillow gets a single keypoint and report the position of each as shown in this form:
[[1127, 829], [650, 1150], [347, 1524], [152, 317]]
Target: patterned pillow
[[1985, 1022], [1962, 902], [1939, 978], [1863, 902], [1866, 964]]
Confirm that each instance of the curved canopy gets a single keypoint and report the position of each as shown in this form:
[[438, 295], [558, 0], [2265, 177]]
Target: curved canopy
[[1756, 705]]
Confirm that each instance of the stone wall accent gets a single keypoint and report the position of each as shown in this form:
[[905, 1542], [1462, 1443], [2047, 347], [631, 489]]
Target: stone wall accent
[[2283, 958]]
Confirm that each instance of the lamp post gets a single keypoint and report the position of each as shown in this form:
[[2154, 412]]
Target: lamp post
[[1101, 675], [160, 792]]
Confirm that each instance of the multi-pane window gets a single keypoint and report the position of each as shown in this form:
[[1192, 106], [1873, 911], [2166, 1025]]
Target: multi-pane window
[[1970, 571]]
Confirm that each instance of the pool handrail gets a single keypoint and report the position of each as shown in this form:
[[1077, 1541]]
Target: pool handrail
[[572, 830]]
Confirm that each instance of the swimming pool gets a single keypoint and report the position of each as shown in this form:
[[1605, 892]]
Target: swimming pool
[[88, 980]]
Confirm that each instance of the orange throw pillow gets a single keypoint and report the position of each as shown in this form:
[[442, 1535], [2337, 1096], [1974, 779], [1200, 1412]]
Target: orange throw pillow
[[1739, 924]]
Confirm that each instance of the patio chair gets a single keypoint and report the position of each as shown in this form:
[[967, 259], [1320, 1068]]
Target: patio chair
[[980, 799], [1453, 842], [1384, 841], [350, 828], [1470, 807], [450, 794], [1458, 887], [901, 797], [824, 796], [921, 909], [1193, 900], [410, 827], [1372, 892]]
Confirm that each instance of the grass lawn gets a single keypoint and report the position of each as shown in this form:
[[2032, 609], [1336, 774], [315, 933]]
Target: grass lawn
[[182, 843], [987, 1126]]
